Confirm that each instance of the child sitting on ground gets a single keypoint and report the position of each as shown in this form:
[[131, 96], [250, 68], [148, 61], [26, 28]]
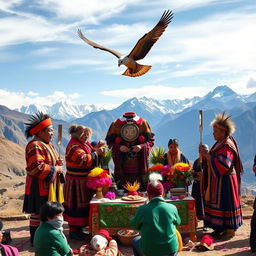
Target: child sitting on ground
[[49, 238]]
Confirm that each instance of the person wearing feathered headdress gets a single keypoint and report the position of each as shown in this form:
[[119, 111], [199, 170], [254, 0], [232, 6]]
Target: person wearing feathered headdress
[[222, 195], [43, 165], [156, 222]]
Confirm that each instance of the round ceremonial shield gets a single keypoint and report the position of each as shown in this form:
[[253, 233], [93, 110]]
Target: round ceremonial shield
[[130, 132]]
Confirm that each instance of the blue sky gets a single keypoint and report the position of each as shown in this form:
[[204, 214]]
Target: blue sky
[[42, 60]]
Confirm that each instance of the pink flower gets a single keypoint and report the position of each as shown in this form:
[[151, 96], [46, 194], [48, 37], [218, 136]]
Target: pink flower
[[110, 195], [99, 182]]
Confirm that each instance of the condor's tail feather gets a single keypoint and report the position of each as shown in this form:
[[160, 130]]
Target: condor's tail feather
[[140, 70]]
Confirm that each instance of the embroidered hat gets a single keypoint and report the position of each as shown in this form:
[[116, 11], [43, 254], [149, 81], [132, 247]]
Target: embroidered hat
[[129, 115], [155, 187], [105, 233], [205, 244]]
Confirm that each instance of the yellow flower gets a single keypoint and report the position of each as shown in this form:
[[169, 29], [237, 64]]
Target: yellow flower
[[181, 165], [95, 172]]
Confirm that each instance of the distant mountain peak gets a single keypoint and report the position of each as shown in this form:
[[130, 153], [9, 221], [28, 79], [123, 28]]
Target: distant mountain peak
[[223, 90]]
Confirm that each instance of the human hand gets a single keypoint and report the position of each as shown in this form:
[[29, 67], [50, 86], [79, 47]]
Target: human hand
[[100, 151], [203, 151], [124, 149], [136, 148], [59, 169], [59, 162], [71, 253]]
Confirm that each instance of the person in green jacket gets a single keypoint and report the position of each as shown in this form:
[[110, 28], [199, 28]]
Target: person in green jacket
[[156, 222], [49, 238]]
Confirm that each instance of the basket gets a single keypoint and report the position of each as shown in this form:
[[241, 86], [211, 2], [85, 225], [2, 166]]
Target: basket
[[126, 236]]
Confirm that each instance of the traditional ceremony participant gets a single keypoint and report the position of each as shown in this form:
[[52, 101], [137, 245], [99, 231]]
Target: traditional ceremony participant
[[131, 140], [174, 155], [156, 222], [198, 166], [49, 237], [222, 196], [253, 220], [81, 157], [43, 165], [198, 189]]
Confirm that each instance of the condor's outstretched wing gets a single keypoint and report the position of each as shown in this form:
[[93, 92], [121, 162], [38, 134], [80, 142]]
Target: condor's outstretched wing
[[98, 46], [144, 45]]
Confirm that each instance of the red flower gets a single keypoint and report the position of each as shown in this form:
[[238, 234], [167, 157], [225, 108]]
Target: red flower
[[141, 139], [118, 140]]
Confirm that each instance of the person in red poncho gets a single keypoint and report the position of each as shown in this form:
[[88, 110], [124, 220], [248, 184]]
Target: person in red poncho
[[43, 169], [223, 211], [131, 140], [81, 158]]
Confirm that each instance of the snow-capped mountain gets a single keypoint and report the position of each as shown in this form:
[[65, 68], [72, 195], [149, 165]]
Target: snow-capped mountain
[[167, 118], [62, 110]]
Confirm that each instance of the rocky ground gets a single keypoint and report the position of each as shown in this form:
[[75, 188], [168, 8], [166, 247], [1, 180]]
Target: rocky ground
[[237, 246]]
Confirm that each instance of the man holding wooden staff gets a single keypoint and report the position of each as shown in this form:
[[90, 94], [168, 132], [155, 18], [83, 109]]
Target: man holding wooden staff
[[43, 167]]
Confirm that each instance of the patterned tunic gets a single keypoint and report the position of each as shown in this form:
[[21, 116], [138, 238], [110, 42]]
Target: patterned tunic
[[80, 159], [40, 159], [130, 166], [222, 196]]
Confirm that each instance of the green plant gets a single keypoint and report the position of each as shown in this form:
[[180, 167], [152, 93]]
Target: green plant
[[105, 158], [157, 155]]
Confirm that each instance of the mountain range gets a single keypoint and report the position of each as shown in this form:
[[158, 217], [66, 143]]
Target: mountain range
[[61, 110], [167, 118]]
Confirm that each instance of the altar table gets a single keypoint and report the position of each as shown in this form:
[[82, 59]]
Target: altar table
[[116, 214]]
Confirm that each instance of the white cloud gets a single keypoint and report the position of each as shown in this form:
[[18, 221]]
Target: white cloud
[[44, 51], [15, 100], [251, 83], [92, 10], [5, 5], [32, 94], [66, 63], [158, 92]]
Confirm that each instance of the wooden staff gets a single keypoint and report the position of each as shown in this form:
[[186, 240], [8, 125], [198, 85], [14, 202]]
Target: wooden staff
[[201, 132], [59, 138], [59, 141]]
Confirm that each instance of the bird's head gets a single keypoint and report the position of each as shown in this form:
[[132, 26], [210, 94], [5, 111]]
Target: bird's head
[[122, 60]]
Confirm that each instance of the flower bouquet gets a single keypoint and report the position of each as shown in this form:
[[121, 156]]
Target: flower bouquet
[[181, 174], [105, 158], [97, 179], [132, 188], [156, 168], [157, 155]]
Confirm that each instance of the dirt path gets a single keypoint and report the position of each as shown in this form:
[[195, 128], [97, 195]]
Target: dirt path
[[238, 246]]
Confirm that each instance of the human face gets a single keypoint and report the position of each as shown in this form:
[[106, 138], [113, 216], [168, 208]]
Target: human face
[[85, 136], [218, 133], [173, 148], [57, 216], [46, 134]]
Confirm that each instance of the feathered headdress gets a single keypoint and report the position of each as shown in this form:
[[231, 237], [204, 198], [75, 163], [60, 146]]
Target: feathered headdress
[[222, 121], [155, 187], [154, 178], [37, 122]]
